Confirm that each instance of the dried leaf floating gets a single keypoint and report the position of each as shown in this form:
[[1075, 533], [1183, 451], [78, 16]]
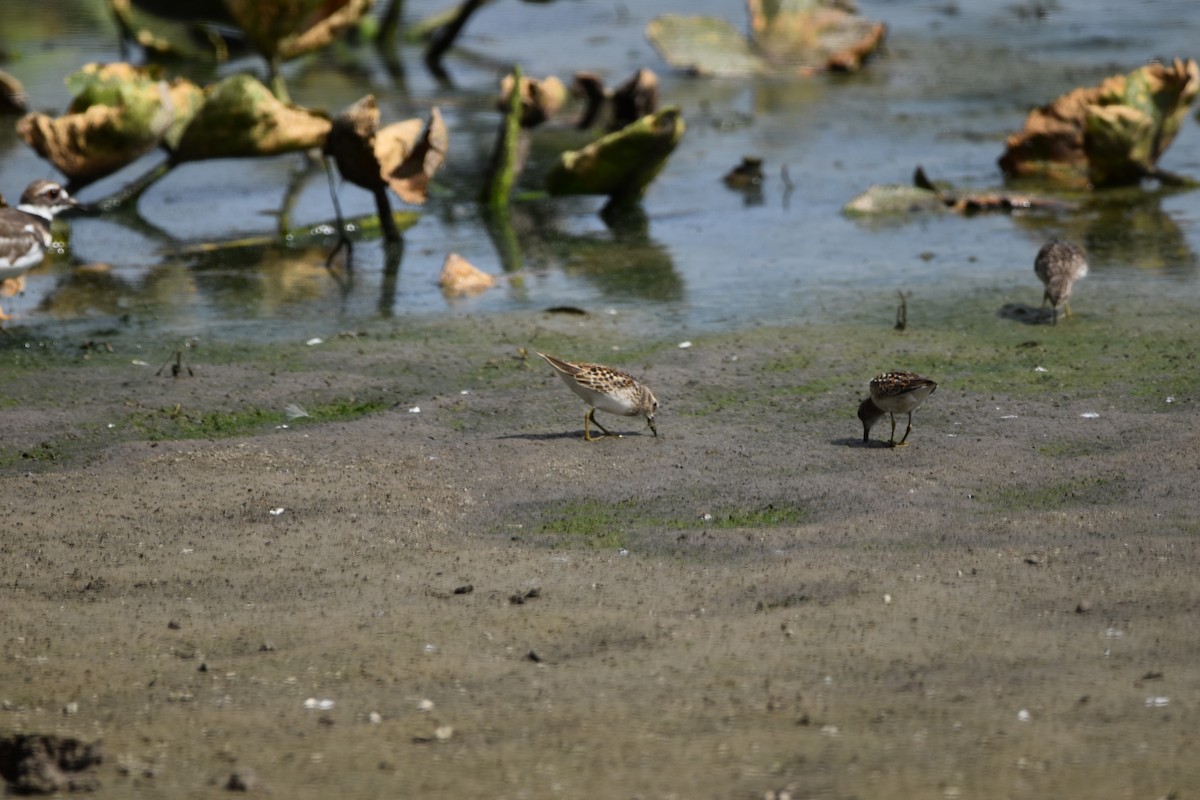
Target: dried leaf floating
[[403, 156], [706, 46], [241, 118], [807, 36], [410, 153], [797, 37], [461, 277], [924, 197], [288, 28], [540, 99], [1109, 135]]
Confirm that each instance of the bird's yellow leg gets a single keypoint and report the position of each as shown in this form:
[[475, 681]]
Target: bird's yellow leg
[[892, 438], [907, 431], [1066, 308], [592, 419]]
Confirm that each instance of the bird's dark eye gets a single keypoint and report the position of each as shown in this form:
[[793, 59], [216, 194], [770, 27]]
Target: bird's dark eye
[[53, 192]]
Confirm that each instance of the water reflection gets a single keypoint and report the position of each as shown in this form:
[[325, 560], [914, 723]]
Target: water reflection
[[1122, 227]]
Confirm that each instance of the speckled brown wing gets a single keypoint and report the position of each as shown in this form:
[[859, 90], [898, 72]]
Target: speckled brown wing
[[599, 378]]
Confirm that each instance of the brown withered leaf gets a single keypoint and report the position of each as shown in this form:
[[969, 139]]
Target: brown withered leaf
[[80, 145], [289, 28], [460, 277], [812, 35], [402, 156], [117, 114], [409, 156], [798, 37], [1107, 135], [13, 99], [540, 99]]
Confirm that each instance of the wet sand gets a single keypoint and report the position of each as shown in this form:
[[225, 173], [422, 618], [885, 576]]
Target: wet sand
[[752, 603]]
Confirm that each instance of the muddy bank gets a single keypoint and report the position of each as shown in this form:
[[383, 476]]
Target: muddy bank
[[752, 602]]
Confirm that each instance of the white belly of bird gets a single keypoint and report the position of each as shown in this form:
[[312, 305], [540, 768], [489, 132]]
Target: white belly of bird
[[904, 403], [622, 406]]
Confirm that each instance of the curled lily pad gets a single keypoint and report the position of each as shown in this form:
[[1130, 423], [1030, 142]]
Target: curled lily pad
[[808, 36], [13, 99], [241, 118], [1107, 135], [402, 156], [175, 28], [620, 165], [540, 99], [798, 37], [884, 200], [410, 152], [118, 114], [704, 45], [288, 28]]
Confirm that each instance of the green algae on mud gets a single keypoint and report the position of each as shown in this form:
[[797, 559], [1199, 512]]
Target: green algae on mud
[[609, 525], [1125, 355]]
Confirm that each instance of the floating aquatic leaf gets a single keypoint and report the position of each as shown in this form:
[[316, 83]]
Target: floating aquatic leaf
[[798, 37], [703, 45], [241, 118], [289, 28], [410, 153], [807, 36], [403, 156], [540, 99], [924, 196], [885, 199], [1107, 135], [176, 28], [460, 277], [118, 114], [622, 164]]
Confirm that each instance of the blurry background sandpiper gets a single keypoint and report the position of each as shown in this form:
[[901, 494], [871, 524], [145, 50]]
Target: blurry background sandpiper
[[1059, 264]]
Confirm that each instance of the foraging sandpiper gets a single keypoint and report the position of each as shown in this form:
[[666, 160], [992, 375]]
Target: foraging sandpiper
[[607, 389], [894, 393], [1059, 264]]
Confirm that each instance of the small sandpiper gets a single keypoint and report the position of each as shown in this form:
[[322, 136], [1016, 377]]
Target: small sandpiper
[[894, 393], [607, 389], [1059, 264], [25, 230]]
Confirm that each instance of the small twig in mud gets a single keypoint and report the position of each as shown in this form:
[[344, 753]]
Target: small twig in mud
[[788, 186], [902, 310], [175, 360]]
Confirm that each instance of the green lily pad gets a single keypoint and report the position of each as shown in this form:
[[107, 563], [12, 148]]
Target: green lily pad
[[704, 46], [796, 37], [241, 118], [620, 165], [118, 114]]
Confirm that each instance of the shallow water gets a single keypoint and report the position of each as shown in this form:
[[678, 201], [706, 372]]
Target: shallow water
[[955, 79]]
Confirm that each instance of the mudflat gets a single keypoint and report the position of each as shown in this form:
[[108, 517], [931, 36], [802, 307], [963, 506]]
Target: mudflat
[[467, 600]]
